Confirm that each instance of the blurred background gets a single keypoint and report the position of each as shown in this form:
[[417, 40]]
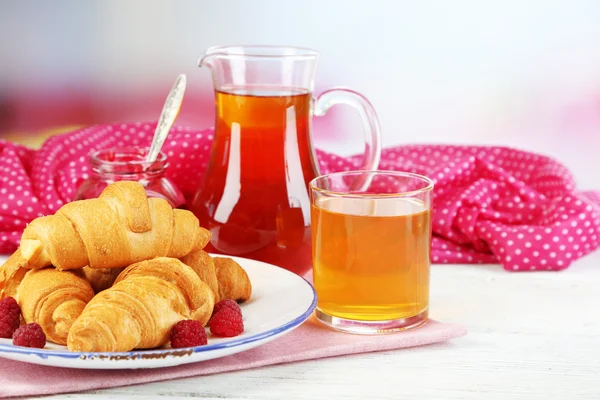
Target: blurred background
[[518, 73]]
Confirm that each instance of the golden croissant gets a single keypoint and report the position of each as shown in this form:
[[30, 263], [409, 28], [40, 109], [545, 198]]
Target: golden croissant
[[11, 275], [118, 229], [142, 306], [101, 278], [54, 299], [225, 277]]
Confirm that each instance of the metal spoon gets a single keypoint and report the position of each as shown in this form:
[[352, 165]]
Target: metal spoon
[[168, 116]]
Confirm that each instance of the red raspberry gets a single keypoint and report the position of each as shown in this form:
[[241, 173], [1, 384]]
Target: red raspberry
[[10, 317], [30, 335], [226, 323], [229, 304], [188, 333]]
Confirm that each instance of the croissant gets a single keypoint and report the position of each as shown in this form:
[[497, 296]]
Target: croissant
[[225, 277], [142, 306], [203, 265], [233, 280], [101, 278], [118, 229], [11, 275], [54, 299]]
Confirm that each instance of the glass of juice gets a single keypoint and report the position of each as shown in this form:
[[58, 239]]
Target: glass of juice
[[371, 244]]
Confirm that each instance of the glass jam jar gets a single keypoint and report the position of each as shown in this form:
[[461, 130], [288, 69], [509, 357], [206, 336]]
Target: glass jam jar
[[129, 163]]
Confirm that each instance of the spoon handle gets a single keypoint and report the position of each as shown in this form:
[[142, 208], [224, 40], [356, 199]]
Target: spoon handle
[[167, 117]]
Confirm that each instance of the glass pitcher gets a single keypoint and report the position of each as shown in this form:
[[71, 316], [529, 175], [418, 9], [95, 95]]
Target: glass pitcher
[[255, 198]]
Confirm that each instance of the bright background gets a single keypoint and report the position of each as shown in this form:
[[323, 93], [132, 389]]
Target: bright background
[[517, 73]]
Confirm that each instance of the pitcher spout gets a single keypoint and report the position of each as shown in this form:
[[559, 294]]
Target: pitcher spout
[[205, 60], [208, 58]]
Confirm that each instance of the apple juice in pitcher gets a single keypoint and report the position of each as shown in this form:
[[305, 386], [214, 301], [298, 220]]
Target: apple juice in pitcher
[[254, 198]]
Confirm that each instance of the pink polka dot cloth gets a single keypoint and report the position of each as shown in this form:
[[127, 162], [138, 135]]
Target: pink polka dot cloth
[[491, 204]]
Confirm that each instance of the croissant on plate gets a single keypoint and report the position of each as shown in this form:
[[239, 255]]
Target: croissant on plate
[[224, 276], [101, 278], [11, 275], [141, 307], [54, 299], [118, 229]]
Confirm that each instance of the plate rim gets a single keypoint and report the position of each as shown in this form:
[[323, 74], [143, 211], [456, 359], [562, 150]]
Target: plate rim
[[139, 354]]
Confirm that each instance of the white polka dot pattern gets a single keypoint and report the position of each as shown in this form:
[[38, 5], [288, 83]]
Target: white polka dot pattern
[[491, 204], [39, 183], [497, 204], [18, 205]]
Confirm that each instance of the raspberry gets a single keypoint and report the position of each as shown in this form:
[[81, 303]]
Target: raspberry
[[229, 304], [188, 333], [226, 323], [30, 335], [10, 317]]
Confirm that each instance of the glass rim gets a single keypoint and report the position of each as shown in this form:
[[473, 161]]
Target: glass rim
[[159, 164], [333, 193], [262, 51]]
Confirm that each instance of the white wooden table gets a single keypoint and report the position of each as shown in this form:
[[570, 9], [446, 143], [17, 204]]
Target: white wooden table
[[531, 336]]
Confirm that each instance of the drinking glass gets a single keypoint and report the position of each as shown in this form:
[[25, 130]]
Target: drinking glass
[[371, 243]]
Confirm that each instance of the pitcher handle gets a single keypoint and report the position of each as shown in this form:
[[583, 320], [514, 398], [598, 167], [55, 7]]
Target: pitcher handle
[[367, 113]]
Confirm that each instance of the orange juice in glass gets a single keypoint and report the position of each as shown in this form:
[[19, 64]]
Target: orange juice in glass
[[371, 243]]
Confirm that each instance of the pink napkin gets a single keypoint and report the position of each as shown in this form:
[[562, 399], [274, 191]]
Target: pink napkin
[[309, 341], [491, 204]]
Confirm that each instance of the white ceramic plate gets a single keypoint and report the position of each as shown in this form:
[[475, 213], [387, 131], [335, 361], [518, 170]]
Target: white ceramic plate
[[281, 301]]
